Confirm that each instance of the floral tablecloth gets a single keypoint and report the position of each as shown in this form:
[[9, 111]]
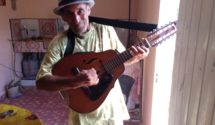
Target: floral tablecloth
[[14, 115]]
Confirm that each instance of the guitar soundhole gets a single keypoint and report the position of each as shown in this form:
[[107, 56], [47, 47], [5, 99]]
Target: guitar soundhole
[[94, 92]]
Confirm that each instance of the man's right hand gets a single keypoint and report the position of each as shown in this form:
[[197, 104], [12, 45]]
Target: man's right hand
[[88, 77]]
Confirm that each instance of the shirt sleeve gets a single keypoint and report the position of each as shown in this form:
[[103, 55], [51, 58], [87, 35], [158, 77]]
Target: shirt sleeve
[[53, 55]]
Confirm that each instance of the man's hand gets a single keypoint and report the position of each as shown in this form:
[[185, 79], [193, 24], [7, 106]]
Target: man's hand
[[88, 77], [138, 53]]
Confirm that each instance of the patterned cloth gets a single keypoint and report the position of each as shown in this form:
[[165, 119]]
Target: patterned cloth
[[99, 38], [13, 115]]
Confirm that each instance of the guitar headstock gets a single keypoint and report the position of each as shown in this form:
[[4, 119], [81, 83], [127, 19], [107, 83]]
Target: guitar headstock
[[157, 36]]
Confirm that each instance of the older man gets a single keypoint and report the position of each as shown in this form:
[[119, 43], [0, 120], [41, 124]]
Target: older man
[[87, 37]]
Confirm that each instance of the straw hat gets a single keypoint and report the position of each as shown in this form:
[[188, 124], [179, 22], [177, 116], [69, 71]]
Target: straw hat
[[64, 3]]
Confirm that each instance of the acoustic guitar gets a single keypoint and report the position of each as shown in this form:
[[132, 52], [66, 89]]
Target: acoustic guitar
[[109, 66]]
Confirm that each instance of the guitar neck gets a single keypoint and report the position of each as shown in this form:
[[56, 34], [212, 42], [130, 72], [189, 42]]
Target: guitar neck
[[121, 58], [152, 40]]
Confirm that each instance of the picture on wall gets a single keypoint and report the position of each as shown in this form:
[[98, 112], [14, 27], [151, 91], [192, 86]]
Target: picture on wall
[[2, 2]]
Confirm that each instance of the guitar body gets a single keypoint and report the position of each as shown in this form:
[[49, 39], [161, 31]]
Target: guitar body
[[87, 99]]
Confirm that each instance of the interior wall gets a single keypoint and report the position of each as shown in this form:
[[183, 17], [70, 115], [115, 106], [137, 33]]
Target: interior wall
[[5, 48], [24, 9], [115, 9], [148, 12], [36, 8]]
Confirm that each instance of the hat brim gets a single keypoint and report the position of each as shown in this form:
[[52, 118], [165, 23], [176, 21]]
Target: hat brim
[[57, 10]]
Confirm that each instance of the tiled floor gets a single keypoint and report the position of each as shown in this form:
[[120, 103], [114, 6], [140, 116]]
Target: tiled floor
[[48, 106]]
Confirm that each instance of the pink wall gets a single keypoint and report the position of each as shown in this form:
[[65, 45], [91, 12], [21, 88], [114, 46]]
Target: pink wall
[[148, 12], [43, 9], [116, 9], [5, 48]]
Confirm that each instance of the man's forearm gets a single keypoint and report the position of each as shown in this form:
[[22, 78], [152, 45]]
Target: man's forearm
[[56, 83]]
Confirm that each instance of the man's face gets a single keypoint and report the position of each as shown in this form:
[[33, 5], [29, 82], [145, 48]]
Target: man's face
[[77, 17]]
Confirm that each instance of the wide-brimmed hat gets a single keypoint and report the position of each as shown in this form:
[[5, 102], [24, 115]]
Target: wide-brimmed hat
[[64, 3]]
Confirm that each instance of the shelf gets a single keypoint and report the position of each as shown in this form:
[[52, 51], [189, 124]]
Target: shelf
[[31, 46]]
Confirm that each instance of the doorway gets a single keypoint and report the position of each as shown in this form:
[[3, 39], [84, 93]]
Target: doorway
[[164, 61]]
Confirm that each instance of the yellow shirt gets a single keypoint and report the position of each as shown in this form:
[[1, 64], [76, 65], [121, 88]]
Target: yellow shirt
[[98, 38]]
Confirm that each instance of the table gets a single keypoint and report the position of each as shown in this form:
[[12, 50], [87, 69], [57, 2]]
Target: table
[[14, 115]]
